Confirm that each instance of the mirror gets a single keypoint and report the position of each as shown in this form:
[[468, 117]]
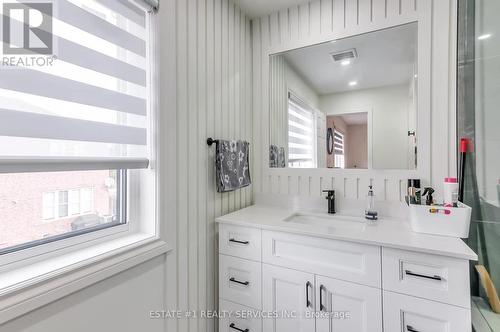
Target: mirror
[[349, 103]]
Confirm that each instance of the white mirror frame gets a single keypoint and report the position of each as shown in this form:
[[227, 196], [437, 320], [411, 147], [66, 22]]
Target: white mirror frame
[[273, 179]]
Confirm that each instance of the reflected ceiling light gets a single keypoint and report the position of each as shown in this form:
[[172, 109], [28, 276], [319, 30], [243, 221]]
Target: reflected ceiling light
[[485, 36], [353, 83], [345, 62]]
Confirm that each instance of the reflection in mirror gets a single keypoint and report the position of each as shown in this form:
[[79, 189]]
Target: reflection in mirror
[[349, 103]]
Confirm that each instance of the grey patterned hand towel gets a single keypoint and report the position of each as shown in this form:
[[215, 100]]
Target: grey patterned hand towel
[[273, 156], [231, 165]]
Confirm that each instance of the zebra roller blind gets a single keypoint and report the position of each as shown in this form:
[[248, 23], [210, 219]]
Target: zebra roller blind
[[339, 148], [300, 133], [88, 106]]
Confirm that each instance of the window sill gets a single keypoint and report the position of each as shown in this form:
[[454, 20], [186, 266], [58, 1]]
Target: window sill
[[30, 287]]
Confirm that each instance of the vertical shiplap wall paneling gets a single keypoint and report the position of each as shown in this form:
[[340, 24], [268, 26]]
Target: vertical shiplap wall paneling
[[256, 147], [192, 179], [213, 98], [230, 88], [249, 124], [202, 111], [211, 299], [236, 88], [224, 85], [168, 141], [278, 101], [182, 162], [323, 20]]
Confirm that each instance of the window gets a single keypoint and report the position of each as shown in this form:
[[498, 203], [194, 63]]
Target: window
[[339, 148], [301, 133], [70, 202], [74, 202], [73, 130], [62, 204], [87, 200], [48, 205]]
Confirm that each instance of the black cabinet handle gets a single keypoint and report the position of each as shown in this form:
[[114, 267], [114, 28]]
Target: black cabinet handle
[[240, 242], [321, 306], [237, 329], [308, 303], [245, 283], [408, 272], [410, 329]]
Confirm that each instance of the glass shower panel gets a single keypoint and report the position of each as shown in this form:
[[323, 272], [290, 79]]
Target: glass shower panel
[[479, 121]]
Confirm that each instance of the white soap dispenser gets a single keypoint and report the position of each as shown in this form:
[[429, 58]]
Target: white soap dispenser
[[370, 212]]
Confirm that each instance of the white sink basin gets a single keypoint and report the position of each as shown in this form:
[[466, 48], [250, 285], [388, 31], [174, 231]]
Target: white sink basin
[[334, 221]]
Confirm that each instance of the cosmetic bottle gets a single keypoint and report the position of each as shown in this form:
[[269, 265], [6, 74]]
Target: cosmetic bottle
[[414, 191], [370, 212], [450, 192]]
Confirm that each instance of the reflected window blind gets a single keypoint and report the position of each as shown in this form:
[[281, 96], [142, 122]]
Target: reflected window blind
[[339, 148], [300, 131], [90, 109]]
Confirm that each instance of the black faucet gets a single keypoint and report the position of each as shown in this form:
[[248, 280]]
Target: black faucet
[[331, 200]]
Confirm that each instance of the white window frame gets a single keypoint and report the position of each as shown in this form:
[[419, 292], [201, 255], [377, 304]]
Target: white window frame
[[39, 275]]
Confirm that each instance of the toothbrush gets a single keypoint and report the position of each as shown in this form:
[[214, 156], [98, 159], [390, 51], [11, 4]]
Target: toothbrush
[[463, 154]]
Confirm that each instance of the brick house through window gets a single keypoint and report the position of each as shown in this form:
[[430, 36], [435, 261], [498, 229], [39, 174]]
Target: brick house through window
[[34, 206]]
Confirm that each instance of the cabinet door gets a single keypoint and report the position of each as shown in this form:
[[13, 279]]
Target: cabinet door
[[347, 307], [238, 318], [403, 313], [289, 295]]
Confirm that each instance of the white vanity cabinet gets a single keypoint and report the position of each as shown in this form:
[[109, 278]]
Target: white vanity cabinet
[[347, 306], [304, 283], [288, 292]]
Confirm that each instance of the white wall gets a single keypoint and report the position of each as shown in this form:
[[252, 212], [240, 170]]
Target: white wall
[[120, 303], [301, 88], [389, 107], [282, 78], [278, 118], [357, 146], [206, 91]]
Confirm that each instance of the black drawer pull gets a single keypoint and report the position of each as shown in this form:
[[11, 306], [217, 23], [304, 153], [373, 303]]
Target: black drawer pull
[[308, 303], [408, 272], [410, 329], [240, 242], [237, 329], [321, 306], [245, 283]]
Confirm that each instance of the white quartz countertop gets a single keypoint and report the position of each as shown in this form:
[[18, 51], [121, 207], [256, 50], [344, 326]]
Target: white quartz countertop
[[385, 232]]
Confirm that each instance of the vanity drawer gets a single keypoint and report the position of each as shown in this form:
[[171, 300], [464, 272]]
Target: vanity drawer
[[238, 318], [432, 277], [239, 241], [403, 313], [240, 281], [347, 261]]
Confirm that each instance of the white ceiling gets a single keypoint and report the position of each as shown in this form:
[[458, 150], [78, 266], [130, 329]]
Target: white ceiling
[[355, 118], [258, 8], [385, 57]]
